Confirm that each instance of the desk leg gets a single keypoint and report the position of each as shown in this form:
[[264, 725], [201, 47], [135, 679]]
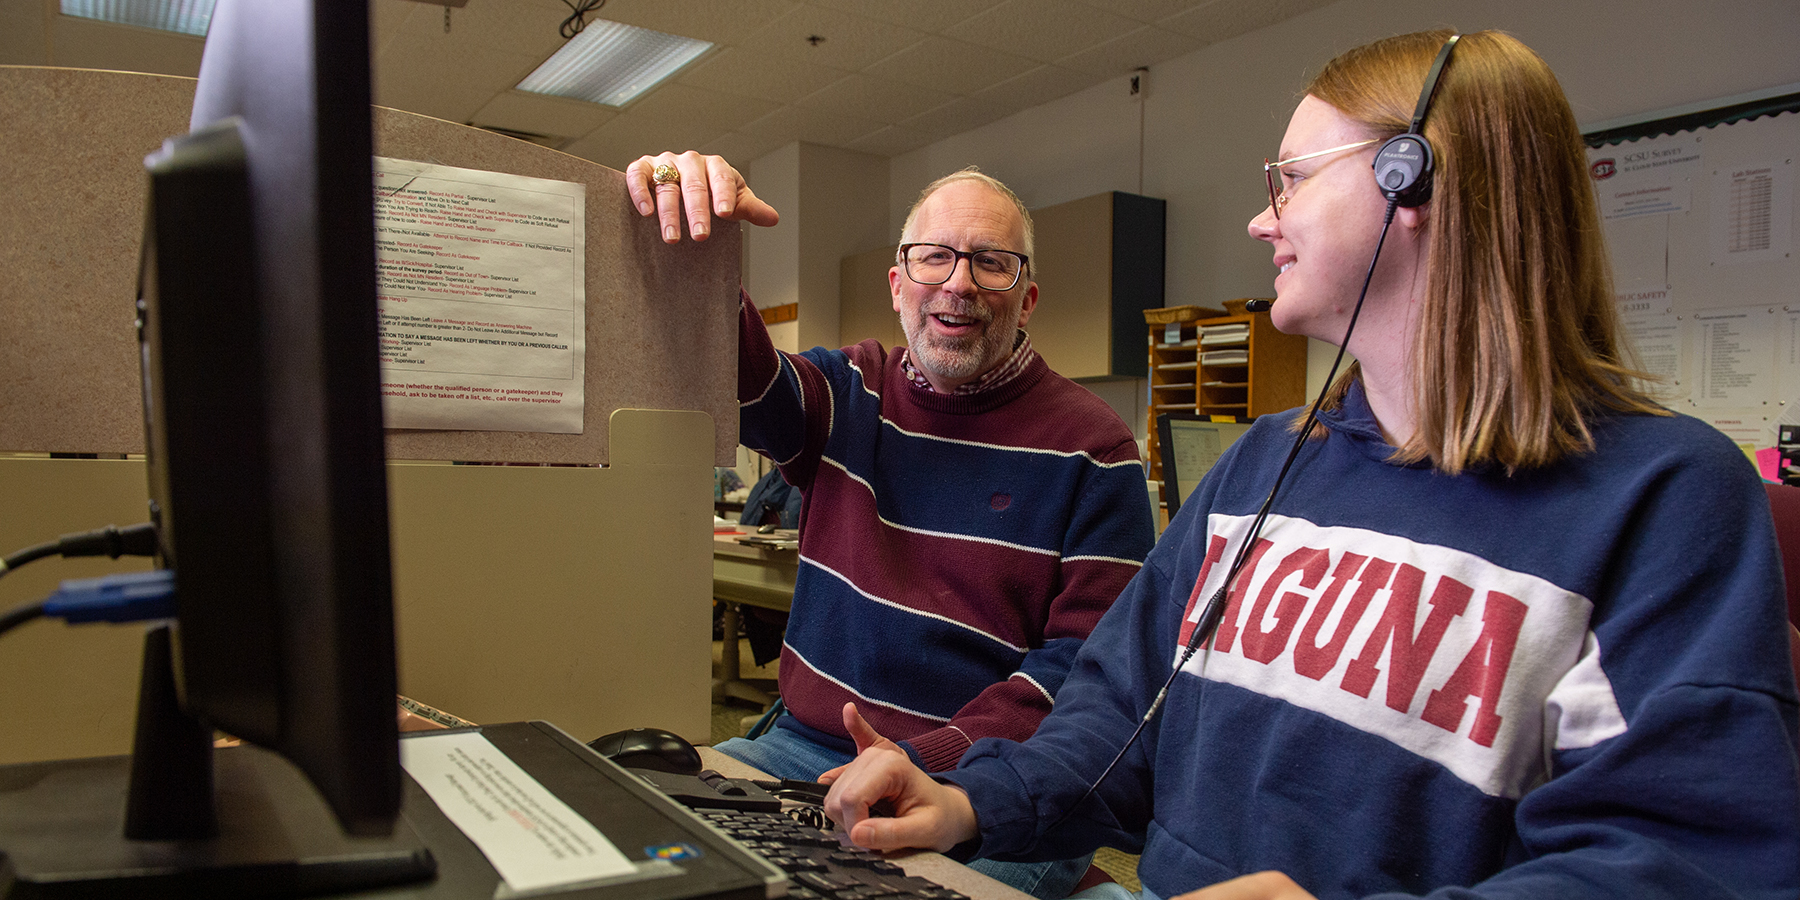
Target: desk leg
[[730, 682]]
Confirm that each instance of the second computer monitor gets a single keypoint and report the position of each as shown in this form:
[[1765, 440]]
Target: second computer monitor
[[1191, 443]]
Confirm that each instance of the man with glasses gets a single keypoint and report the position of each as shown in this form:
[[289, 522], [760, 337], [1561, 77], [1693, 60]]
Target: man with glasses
[[968, 513]]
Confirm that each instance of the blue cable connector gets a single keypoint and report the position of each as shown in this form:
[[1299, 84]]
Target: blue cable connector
[[131, 597]]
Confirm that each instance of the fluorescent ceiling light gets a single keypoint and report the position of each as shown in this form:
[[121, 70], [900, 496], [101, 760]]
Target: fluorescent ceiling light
[[179, 16], [611, 64]]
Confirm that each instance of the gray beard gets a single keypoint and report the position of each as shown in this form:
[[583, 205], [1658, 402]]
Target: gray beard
[[959, 358]]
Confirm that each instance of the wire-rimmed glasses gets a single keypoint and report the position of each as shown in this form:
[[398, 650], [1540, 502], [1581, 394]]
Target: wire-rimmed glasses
[[1279, 198]]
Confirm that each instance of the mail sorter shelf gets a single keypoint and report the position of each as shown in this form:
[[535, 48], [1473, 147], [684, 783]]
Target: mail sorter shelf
[[1233, 365]]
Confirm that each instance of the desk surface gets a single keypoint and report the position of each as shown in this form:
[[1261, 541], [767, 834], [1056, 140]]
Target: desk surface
[[728, 544], [758, 576], [923, 863]]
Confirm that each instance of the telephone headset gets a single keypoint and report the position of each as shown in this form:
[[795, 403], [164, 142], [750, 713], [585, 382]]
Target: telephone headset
[[1404, 164], [1403, 172]]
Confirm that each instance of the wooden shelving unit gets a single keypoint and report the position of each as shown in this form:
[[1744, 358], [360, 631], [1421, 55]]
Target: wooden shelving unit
[[1215, 363]]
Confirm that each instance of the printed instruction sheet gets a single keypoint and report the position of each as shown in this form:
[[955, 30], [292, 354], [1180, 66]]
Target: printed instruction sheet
[[482, 298], [533, 839]]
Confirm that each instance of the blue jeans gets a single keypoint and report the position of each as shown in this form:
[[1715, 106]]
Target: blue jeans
[[1112, 890], [785, 754]]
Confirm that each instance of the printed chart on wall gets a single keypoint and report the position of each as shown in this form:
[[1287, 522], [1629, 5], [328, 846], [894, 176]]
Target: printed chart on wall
[[1700, 226], [482, 299]]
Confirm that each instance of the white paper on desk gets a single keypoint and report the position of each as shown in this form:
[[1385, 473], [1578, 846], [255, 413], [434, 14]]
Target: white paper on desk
[[533, 839], [482, 297]]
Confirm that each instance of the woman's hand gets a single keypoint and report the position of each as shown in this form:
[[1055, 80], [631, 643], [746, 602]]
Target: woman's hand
[[925, 813], [706, 186]]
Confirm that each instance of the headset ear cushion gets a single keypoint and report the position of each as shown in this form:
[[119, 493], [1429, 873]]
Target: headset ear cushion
[[1403, 168]]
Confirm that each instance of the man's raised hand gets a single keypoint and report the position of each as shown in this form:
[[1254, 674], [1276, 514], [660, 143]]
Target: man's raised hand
[[704, 186]]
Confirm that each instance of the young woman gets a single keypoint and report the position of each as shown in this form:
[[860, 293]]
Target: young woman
[[1509, 629]]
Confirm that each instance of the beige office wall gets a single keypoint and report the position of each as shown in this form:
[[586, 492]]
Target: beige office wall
[[771, 255], [66, 690], [579, 595], [831, 205], [1211, 116], [865, 300], [835, 221]]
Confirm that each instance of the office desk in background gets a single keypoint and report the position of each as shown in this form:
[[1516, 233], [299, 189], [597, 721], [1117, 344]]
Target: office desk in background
[[756, 576]]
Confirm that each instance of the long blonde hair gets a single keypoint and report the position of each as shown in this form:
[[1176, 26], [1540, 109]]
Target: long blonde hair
[[1518, 340]]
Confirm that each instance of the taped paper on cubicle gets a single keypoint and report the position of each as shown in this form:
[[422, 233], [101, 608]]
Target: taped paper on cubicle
[[482, 298]]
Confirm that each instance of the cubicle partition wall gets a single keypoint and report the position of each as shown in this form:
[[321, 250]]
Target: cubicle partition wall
[[576, 592]]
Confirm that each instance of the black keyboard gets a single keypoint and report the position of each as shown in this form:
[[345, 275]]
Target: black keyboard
[[817, 865]]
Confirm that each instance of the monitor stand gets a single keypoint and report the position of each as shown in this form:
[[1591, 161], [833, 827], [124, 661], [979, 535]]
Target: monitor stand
[[262, 829]]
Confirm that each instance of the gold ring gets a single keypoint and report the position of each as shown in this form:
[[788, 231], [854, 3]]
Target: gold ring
[[665, 174]]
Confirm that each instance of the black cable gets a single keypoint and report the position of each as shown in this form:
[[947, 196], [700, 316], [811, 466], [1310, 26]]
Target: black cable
[[1214, 611], [577, 20], [13, 618], [111, 541], [27, 555]]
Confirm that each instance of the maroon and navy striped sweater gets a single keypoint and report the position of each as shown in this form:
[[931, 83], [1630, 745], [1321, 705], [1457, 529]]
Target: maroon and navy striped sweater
[[955, 550]]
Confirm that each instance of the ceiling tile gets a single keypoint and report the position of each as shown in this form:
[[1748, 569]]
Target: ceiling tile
[[794, 123], [1141, 48], [1046, 30], [524, 28], [627, 137], [89, 44], [420, 77], [746, 74], [451, 102], [892, 141], [888, 77], [1040, 85], [958, 116], [720, 22], [866, 96], [540, 114], [680, 102], [387, 18], [921, 15], [951, 65], [25, 34], [1149, 10], [848, 41], [739, 148], [1223, 19]]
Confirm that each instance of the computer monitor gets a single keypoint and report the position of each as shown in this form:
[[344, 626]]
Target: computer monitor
[[258, 330], [1190, 444]]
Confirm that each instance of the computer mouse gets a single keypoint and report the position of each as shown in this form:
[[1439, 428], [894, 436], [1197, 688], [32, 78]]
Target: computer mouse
[[649, 748]]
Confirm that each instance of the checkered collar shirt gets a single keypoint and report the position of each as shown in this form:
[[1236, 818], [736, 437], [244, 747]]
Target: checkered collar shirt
[[1021, 357]]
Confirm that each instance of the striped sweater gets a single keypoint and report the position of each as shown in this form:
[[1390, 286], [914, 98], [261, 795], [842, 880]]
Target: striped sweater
[[955, 551]]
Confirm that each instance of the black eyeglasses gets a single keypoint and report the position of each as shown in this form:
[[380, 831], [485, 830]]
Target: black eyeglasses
[[1279, 198], [992, 270]]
